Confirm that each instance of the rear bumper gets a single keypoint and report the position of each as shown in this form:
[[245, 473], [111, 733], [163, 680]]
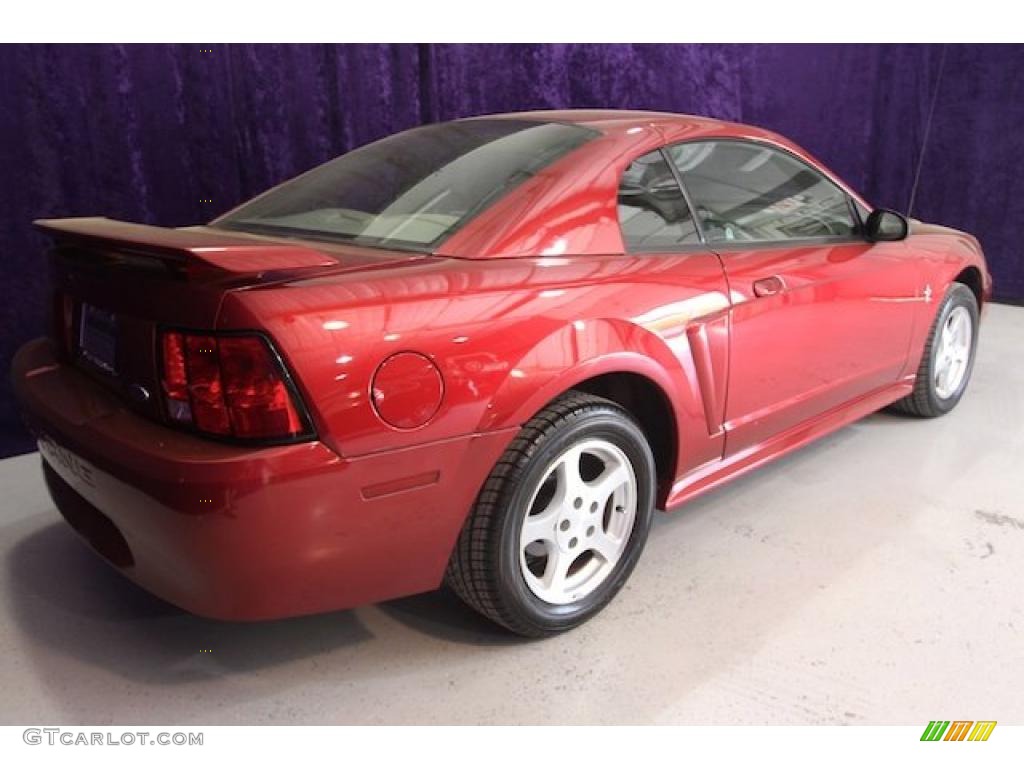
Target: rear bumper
[[241, 533]]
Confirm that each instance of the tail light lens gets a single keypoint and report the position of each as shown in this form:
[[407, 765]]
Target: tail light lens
[[230, 386]]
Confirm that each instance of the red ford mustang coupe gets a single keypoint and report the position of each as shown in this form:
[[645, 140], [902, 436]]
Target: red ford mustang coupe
[[480, 352]]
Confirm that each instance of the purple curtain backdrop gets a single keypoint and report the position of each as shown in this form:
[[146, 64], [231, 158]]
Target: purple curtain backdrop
[[147, 132]]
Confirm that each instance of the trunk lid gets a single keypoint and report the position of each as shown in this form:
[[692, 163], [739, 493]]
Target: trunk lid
[[117, 284]]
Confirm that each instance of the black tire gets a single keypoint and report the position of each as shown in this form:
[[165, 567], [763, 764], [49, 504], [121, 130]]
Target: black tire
[[484, 569], [925, 401]]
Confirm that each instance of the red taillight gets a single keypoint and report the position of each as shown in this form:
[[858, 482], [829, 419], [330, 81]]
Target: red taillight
[[228, 385], [202, 365], [175, 381], [257, 398]]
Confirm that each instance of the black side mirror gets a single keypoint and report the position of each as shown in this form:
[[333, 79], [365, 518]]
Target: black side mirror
[[885, 225]]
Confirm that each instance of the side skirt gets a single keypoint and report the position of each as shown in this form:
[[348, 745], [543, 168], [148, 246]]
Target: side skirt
[[713, 474]]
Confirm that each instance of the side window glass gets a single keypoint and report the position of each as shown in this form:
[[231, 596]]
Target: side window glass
[[750, 192], [652, 210]]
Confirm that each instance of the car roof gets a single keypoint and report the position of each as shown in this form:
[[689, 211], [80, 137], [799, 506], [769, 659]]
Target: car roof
[[571, 207], [611, 121], [595, 118]]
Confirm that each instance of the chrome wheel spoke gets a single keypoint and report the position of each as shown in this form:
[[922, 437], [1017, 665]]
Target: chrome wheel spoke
[[608, 482], [556, 571], [607, 547], [567, 470], [960, 328], [541, 527]]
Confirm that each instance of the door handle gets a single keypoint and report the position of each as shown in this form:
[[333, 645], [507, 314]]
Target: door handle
[[769, 286]]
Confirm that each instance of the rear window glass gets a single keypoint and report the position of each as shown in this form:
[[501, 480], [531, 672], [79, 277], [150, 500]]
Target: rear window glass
[[411, 190]]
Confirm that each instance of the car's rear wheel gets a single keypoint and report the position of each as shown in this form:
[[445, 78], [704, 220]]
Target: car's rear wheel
[[948, 357], [561, 521]]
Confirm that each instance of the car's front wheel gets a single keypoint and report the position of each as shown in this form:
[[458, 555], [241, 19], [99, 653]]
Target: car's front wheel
[[561, 521], [948, 357]]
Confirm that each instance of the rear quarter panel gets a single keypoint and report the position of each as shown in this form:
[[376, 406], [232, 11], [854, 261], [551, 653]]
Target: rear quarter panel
[[507, 334]]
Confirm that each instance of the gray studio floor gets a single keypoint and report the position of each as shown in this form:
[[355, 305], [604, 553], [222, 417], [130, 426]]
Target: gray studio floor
[[871, 578]]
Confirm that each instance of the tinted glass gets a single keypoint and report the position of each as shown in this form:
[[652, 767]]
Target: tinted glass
[[652, 210], [750, 192], [410, 190]]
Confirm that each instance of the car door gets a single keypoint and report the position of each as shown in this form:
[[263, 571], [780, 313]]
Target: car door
[[819, 315]]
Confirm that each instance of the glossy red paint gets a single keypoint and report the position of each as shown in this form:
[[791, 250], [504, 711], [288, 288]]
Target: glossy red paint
[[755, 351]]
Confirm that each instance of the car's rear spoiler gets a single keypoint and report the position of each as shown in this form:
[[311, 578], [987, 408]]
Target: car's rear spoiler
[[194, 249]]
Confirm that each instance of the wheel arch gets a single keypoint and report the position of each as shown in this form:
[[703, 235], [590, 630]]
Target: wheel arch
[[972, 278], [620, 361], [649, 404]]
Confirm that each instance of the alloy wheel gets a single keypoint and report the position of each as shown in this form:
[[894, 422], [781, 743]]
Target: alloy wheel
[[579, 521], [954, 351]]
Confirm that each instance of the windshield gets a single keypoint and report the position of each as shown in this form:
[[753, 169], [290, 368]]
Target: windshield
[[410, 190]]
